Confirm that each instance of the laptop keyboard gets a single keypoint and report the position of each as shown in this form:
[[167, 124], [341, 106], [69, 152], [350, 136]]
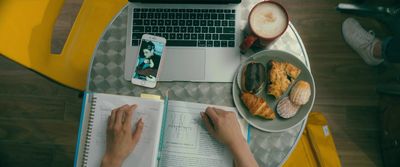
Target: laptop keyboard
[[186, 27]]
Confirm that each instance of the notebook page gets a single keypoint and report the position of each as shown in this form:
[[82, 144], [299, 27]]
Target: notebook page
[[145, 153], [187, 142]]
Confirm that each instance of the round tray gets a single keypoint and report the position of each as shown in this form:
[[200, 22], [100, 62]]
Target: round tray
[[278, 124]]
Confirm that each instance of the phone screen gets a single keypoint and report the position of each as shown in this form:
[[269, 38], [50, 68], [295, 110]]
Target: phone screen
[[148, 60]]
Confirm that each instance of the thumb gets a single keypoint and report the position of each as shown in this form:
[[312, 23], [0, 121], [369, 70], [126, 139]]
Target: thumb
[[138, 131]]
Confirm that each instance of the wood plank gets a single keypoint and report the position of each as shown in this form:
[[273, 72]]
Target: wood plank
[[16, 79], [21, 154], [63, 156], [31, 107], [73, 110], [16, 154], [64, 24], [344, 101], [38, 131], [355, 130]]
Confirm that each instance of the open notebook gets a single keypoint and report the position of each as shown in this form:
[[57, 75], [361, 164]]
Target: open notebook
[[173, 134]]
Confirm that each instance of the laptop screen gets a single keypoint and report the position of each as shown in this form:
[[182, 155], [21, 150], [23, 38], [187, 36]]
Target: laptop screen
[[188, 1]]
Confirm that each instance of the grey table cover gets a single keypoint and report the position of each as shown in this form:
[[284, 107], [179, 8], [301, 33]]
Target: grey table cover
[[107, 76]]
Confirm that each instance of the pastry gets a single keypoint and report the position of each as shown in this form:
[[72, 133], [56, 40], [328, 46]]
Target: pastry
[[300, 93], [280, 76], [292, 71], [257, 106], [287, 109], [278, 79], [253, 77]]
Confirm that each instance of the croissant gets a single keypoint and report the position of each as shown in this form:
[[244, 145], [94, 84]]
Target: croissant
[[257, 106]]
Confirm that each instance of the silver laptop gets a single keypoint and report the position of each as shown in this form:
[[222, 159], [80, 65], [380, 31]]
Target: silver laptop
[[203, 37]]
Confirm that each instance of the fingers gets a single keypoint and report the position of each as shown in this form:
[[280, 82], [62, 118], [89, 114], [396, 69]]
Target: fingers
[[113, 116], [111, 120], [138, 131], [207, 122], [128, 117], [223, 113], [211, 113], [119, 116], [219, 111]]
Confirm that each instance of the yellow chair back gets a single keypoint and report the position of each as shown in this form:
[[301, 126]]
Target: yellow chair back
[[26, 27]]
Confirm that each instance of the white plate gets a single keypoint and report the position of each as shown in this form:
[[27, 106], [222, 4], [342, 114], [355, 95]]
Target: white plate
[[278, 124]]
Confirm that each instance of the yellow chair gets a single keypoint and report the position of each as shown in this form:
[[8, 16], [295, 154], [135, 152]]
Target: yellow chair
[[316, 147], [26, 27]]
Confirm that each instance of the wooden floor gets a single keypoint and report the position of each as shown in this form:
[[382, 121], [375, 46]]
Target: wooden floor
[[39, 118]]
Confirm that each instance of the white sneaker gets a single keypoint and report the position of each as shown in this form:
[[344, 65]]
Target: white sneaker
[[361, 41]]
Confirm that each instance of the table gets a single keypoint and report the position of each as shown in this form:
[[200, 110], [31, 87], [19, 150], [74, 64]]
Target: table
[[107, 76]]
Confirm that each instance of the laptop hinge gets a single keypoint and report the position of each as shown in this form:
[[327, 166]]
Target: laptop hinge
[[189, 1]]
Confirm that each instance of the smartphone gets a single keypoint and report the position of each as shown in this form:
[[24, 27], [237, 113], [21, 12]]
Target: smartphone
[[148, 61]]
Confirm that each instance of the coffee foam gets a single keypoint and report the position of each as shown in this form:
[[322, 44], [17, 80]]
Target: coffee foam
[[268, 20]]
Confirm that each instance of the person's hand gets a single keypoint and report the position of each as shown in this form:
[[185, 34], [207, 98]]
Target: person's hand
[[223, 125], [120, 138], [146, 61]]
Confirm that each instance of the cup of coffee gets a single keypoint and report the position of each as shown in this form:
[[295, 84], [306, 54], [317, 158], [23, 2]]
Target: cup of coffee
[[267, 21]]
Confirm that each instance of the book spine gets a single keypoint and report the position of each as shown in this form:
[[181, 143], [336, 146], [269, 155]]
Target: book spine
[[164, 118], [89, 132]]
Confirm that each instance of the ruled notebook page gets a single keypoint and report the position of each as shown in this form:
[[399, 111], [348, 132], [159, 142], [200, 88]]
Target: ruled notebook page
[[145, 153]]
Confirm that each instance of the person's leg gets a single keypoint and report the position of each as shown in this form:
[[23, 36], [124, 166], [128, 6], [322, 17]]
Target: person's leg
[[391, 49], [377, 51], [363, 42]]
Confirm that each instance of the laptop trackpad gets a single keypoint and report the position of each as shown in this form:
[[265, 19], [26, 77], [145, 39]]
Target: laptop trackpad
[[183, 64]]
